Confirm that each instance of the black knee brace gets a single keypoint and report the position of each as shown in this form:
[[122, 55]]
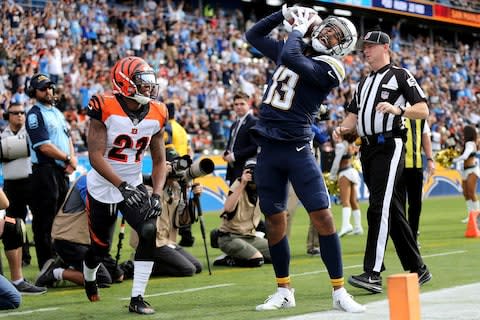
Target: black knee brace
[[148, 230], [13, 233], [147, 233]]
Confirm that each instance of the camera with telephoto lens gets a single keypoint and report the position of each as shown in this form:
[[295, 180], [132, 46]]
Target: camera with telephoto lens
[[179, 165], [14, 147], [250, 166], [185, 169]]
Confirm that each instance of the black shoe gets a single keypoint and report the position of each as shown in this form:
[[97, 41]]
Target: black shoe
[[423, 275], [91, 289], [368, 281], [45, 278], [187, 241], [26, 288], [224, 260], [138, 305]]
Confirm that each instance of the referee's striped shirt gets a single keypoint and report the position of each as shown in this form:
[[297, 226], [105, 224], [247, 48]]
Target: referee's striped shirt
[[392, 84]]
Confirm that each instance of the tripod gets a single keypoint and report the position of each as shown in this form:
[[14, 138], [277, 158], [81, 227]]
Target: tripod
[[121, 236], [196, 202]]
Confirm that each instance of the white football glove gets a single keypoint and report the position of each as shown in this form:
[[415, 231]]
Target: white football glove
[[288, 12], [303, 20]]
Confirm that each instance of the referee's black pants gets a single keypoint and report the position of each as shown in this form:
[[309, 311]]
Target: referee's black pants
[[50, 186], [413, 178], [382, 166]]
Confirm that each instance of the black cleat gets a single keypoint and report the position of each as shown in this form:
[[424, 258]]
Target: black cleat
[[138, 305], [423, 275], [91, 289], [368, 281], [45, 277]]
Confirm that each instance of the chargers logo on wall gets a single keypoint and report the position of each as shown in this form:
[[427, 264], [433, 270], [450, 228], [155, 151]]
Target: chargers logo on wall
[[214, 185], [444, 181]]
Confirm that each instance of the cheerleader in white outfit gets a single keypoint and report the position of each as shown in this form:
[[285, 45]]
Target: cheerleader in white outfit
[[348, 179], [471, 171]]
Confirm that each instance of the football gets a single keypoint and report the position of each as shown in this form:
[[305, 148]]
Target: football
[[315, 23]]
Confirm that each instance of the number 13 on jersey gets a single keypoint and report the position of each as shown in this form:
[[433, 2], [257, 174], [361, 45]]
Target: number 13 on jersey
[[282, 90]]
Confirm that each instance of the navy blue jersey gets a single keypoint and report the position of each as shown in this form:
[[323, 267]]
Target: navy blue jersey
[[298, 86]]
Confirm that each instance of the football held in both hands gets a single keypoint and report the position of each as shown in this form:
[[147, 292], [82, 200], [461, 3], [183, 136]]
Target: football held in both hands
[[316, 22]]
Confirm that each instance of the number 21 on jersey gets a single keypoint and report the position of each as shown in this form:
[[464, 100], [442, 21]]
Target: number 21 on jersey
[[281, 92], [124, 145]]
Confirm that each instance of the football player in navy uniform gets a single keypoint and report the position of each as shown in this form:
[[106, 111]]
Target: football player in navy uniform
[[303, 78], [122, 127]]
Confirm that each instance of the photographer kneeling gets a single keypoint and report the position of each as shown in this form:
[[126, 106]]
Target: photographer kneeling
[[237, 235], [71, 240], [170, 259]]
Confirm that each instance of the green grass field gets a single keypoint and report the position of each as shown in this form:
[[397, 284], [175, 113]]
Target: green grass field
[[233, 293]]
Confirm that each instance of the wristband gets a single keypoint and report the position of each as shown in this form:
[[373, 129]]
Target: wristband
[[429, 159], [68, 159]]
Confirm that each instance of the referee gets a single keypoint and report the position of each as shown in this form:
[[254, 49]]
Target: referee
[[418, 138], [376, 111]]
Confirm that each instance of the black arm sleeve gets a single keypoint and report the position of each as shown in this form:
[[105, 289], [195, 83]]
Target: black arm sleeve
[[257, 36]]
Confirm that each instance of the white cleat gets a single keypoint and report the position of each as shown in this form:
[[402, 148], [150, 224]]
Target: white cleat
[[343, 301], [345, 230], [282, 299], [357, 231]]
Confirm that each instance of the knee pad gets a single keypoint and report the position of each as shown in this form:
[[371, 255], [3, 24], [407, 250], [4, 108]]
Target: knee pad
[[13, 233], [148, 230], [214, 238], [147, 233]]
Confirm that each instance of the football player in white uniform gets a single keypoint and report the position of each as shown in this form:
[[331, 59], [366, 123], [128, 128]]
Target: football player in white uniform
[[122, 127]]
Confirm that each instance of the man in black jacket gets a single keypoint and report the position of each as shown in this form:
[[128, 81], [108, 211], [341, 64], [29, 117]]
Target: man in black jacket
[[241, 146]]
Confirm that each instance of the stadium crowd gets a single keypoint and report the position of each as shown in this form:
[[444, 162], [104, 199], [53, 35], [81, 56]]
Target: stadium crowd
[[201, 60]]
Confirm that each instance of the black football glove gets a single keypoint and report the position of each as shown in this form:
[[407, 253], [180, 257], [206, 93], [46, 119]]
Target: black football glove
[[155, 207], [134, 198]]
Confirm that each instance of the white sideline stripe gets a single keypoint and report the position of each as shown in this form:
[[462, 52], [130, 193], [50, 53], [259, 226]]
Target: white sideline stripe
[[186, 290], [21, 313], [444, 254], [359, 265]]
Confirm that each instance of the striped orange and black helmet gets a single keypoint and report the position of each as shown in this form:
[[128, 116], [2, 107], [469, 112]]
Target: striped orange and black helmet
[[134, 78]]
